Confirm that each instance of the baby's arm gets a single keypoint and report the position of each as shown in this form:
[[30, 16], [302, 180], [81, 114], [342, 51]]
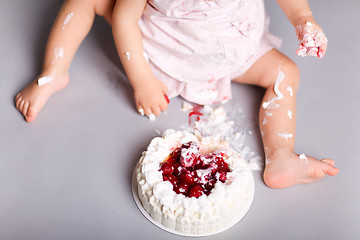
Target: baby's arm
[[150, 93], [313, 41]]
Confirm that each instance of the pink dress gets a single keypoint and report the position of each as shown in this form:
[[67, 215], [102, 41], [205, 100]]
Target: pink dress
[[196, 47]]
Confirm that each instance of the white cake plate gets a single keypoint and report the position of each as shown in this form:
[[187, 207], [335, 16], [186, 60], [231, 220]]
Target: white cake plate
[[147, 215]]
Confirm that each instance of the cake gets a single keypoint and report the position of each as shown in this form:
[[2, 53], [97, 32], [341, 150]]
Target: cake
[[191, 185]]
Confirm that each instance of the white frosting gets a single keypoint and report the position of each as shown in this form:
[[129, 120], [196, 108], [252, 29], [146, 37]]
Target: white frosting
[[187, 154], [268, 114], [191, 215], [216, 128], [146, 56], [271, 103], [68, 18], [289, 113], [187, 107], [303, 157], [313, 38], [44, 80], [290, 90], [127, 55], [141, 111], [59, 53], [286, 136], [152, 117], [203, 174]]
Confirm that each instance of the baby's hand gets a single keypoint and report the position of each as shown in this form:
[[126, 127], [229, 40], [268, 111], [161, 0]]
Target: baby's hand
[[151, 98], [313, 41]]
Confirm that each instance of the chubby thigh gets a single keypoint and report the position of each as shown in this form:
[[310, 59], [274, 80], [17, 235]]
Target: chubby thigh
[[264, 70]]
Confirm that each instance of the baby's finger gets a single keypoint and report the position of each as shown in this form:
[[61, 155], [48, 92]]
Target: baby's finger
[[156, 110], [164, 104], [163, 107], [148, 112], [150, 115], [312, 51], [144, 111], [322, 50]]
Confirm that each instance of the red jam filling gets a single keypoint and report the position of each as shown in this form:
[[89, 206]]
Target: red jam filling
[[193, 174], [195, 113]]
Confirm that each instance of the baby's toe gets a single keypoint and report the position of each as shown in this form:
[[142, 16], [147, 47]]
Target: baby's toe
[[21, 105], [25, 108], [156, 110], [329, 161], [30, 115], [328, 167], [18, 100]]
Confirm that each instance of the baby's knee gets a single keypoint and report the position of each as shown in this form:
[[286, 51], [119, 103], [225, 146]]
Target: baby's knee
[[104, 8], [291, 73]]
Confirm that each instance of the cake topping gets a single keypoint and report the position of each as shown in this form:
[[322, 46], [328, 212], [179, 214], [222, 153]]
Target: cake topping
[[193, 174], [189, 153], [192, 185]]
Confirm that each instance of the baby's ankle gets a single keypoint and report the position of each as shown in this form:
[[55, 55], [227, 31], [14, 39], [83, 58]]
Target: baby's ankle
[[276, 152]]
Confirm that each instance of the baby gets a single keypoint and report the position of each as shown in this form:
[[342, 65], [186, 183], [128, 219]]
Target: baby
[[195, 49]]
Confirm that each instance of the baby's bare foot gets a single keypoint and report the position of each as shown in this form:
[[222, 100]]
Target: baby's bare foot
[[285, 169], [34, 96]]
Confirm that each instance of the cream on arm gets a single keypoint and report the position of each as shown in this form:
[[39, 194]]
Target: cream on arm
[[313, 41]]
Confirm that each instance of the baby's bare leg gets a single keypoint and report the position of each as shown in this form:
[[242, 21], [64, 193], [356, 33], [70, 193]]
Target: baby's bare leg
[[71, 26], [280, 76]]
